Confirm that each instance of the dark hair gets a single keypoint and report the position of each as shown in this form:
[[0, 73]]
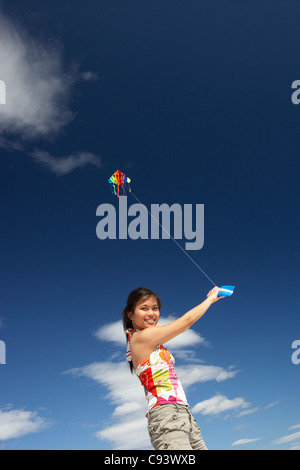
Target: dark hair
[[133, 299]]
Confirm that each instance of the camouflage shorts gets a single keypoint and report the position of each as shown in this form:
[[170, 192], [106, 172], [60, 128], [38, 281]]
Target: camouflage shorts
[[173, 427]]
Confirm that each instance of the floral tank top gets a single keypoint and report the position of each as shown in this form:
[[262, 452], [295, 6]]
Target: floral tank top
[[158, 377]]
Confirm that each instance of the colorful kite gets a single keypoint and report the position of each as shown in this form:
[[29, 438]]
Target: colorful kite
[[119, 179]]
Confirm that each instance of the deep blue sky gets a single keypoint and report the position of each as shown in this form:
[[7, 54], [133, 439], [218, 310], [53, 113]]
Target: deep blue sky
[[193, 103]]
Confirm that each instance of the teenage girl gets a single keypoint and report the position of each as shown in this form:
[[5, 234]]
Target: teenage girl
[[170, 422]]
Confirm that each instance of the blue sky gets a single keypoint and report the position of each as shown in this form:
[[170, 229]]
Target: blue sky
[[193, 102]]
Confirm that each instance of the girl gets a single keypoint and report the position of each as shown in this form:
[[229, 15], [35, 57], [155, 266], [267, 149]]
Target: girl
[[170, 422]]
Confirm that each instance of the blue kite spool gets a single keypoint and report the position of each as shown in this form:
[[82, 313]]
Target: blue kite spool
[[226, 291]]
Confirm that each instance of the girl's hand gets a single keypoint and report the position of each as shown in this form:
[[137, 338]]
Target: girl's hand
[[213, 295]]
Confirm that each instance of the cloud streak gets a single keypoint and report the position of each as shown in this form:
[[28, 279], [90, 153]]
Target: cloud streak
[[287, 438], [63, 165], [241, 442]]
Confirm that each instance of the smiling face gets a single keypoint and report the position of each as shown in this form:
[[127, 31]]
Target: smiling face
[[146, 314]]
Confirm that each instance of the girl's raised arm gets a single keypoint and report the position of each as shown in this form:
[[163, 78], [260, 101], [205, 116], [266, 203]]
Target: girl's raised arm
[[151, 337]]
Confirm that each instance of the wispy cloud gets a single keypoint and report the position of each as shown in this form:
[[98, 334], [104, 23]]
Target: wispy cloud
[[64, 165], [195, 373], [219, 404], [127, 434], [121, 385], [295, 426], [271, 405], [124, 391], [248, 412], [39, 86], [89, 76], [290, 438], [287, 438], [241, 442], [17, 423], [254, 410], [38, 83]]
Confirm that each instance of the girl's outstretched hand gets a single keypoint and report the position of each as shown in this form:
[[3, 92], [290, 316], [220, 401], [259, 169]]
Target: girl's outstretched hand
[[213, 295]]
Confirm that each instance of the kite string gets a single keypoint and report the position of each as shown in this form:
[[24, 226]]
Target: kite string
[[203, 272]]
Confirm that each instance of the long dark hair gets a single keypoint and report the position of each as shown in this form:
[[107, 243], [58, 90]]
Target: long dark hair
[[133, 299]]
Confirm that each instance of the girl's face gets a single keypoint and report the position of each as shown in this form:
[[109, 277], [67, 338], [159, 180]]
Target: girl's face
[[146, 314]]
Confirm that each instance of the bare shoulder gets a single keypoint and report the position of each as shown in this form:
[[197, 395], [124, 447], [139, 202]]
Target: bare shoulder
[[139, 338], [142, 337], [141, 347]]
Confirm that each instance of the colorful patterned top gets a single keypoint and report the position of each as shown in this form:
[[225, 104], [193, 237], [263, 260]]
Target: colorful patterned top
[[158, 376]]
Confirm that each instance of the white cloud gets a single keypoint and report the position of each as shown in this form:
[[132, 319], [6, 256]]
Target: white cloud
[[112, 332], [64, 165], [271, 405], [17, 423], [241, 442], [218, 404], [288, 438], [38, 86], [127, 434], [89, 76], [124, 391], [248, 412], [296, 426], [123, 387], [195, 373]]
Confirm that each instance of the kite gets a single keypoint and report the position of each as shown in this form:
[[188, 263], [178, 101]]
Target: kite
[[119, 179]]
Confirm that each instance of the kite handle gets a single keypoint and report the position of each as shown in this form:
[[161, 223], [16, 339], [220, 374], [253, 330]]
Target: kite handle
[[226, 291]]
